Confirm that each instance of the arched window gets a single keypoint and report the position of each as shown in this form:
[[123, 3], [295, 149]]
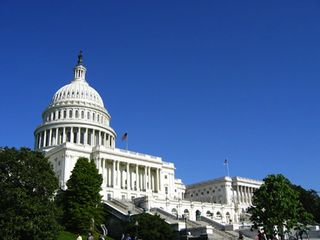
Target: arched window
[[70, 114], [65, 114], [174, 212], [93, 116], [82, 114], [88, 115], [77, 114]]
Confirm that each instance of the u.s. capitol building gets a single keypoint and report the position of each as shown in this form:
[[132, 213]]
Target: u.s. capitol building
[[77, 124]]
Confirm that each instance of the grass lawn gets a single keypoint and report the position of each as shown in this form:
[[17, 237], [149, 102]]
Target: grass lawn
[[71, 236]]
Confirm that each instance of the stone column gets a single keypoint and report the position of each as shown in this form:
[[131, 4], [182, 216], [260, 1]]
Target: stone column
[[40, 140], [157, 180], [145, 178], [149, 178], [137, 178], [85, 136], [63, 134], [113, 174], [71, 134], [118, 174], [92, 137], [78, 135], [45, 138], [128, 176], [57, 136]]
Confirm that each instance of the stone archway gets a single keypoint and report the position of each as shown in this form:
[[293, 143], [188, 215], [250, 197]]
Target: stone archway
[[174, 212], [218, 216], [198, 215], [228, 218], [186, 213]]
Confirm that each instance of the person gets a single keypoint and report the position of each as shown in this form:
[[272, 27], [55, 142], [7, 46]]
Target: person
[[90, 237], [79, 237], [128, 237], [101, 237], [240, 235], [123, 237]]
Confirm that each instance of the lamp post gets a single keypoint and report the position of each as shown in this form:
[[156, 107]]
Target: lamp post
[[136, 225], [185, 221]]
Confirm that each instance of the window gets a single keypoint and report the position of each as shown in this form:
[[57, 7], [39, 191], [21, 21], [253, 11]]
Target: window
[[82, 114], [88, 115], [77, 114], [64, 114], [70, 114], [165, 176]]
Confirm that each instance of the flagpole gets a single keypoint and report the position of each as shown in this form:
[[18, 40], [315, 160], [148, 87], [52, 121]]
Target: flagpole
[[127, 143], [228, 168], [226, 162]]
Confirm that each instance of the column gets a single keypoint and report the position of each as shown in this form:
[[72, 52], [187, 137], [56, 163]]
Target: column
[[50, 137], [99, 138], [45, 138], [57, 136], [137, 178], [118, 174], [64, 135], [145, 179], [113, 173], [85, 137], [78, 135], [160, 179], [40, 140], [128, 177], [149, 178], [92, 137], [246, 194], [157, 180], [71, 134]]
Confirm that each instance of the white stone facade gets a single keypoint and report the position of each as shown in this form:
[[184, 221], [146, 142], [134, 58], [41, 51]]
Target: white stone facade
[[235, 191], [76, 124]]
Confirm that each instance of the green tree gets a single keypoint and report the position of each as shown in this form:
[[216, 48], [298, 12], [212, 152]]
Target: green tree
[[83, 199], [276, 206], [27, 186], [310, 201], [151, 227]]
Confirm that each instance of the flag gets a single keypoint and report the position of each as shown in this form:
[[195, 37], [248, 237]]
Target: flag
[[125, 137], [225, 161]]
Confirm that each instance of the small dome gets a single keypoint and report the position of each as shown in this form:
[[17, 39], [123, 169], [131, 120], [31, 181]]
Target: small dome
[[77, 91]]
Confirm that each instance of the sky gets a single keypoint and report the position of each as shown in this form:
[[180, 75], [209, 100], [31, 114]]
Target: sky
[[193, 82]]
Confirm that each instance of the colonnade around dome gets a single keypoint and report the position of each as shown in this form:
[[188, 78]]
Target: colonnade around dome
[[79, 135]]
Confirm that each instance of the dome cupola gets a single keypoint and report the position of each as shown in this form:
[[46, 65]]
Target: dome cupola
[[76, 114]]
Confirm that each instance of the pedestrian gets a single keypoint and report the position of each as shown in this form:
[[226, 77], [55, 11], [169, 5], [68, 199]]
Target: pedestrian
[[79, 237], [240, 235], [90, 237], [101, 237]]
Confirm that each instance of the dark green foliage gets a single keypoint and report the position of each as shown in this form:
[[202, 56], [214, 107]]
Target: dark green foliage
[[27, 186], [83, 199], [310, 201], [150, 227], [276, 203]]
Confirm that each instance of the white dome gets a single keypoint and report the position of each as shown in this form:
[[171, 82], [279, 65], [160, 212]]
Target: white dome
[[79, 91]]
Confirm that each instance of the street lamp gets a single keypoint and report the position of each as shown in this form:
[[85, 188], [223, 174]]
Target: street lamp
[[185, 221], [136, 225]]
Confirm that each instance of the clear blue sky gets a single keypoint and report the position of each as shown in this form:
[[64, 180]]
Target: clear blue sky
[[191, 81]]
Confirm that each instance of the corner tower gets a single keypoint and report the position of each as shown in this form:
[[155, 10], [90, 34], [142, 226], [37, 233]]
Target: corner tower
[[75, 115]]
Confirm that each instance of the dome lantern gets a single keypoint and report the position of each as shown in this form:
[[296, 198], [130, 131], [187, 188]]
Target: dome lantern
[[80, 70]]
